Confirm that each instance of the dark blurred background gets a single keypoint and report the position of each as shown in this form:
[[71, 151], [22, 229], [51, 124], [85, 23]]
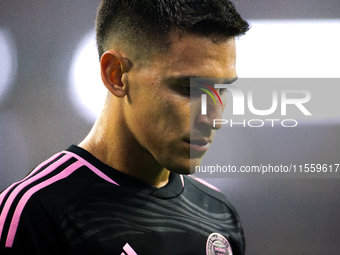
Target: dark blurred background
[[38, 117]]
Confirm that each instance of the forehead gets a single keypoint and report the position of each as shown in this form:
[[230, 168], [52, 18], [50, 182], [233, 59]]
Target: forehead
[[198, 56]]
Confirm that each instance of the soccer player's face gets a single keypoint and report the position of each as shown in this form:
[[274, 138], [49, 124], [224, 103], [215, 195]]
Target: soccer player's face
[[166, 123]]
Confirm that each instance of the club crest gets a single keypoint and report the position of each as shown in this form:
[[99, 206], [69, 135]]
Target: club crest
[[218, 245]]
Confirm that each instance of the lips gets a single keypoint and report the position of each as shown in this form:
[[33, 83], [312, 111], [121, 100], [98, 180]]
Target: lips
[[199, 144]]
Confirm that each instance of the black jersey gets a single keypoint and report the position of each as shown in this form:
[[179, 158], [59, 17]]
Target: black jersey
[[75, 204]]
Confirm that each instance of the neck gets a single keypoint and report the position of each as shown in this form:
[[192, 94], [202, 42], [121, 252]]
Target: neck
[[115, 146]]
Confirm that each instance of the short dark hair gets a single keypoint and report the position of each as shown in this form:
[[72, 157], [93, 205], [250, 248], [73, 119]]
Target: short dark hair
[[141, 22]]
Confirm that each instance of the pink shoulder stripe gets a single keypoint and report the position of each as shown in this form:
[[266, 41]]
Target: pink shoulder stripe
[[24, 199], [24, 184], [4, 193], [182, 179], [205, 183], [128, 249], [92, 167]]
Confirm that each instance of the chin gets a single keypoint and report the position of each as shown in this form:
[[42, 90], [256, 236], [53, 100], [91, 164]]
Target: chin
[[187, 168], [179, 167], [194, 162], [180, 170]]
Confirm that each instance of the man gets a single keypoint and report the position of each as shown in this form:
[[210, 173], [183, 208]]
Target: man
[[123, 190]]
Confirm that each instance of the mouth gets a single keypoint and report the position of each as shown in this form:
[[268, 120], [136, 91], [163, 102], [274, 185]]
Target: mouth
[[199, 144]]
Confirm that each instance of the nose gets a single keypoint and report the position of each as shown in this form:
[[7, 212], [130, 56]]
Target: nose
[[211, 110]]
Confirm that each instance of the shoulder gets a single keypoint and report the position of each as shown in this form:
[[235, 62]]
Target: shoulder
[[30, 209], [217, 207], [204, 190]]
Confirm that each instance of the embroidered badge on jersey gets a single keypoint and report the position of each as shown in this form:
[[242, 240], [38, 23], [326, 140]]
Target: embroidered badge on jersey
[[218, 245]]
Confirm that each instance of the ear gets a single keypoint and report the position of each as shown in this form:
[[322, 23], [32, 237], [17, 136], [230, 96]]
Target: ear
[[112, 67]]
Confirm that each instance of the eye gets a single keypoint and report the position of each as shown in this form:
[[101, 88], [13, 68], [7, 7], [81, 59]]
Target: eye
[[222, 91], [185, 89]]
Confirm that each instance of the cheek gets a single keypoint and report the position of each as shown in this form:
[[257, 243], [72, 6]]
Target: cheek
[[172, 114], [171, 120], [195, 109]]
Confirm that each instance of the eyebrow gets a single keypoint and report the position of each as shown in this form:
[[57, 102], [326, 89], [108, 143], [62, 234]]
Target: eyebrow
[[186, 79], [178, 79], [228, 80]]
